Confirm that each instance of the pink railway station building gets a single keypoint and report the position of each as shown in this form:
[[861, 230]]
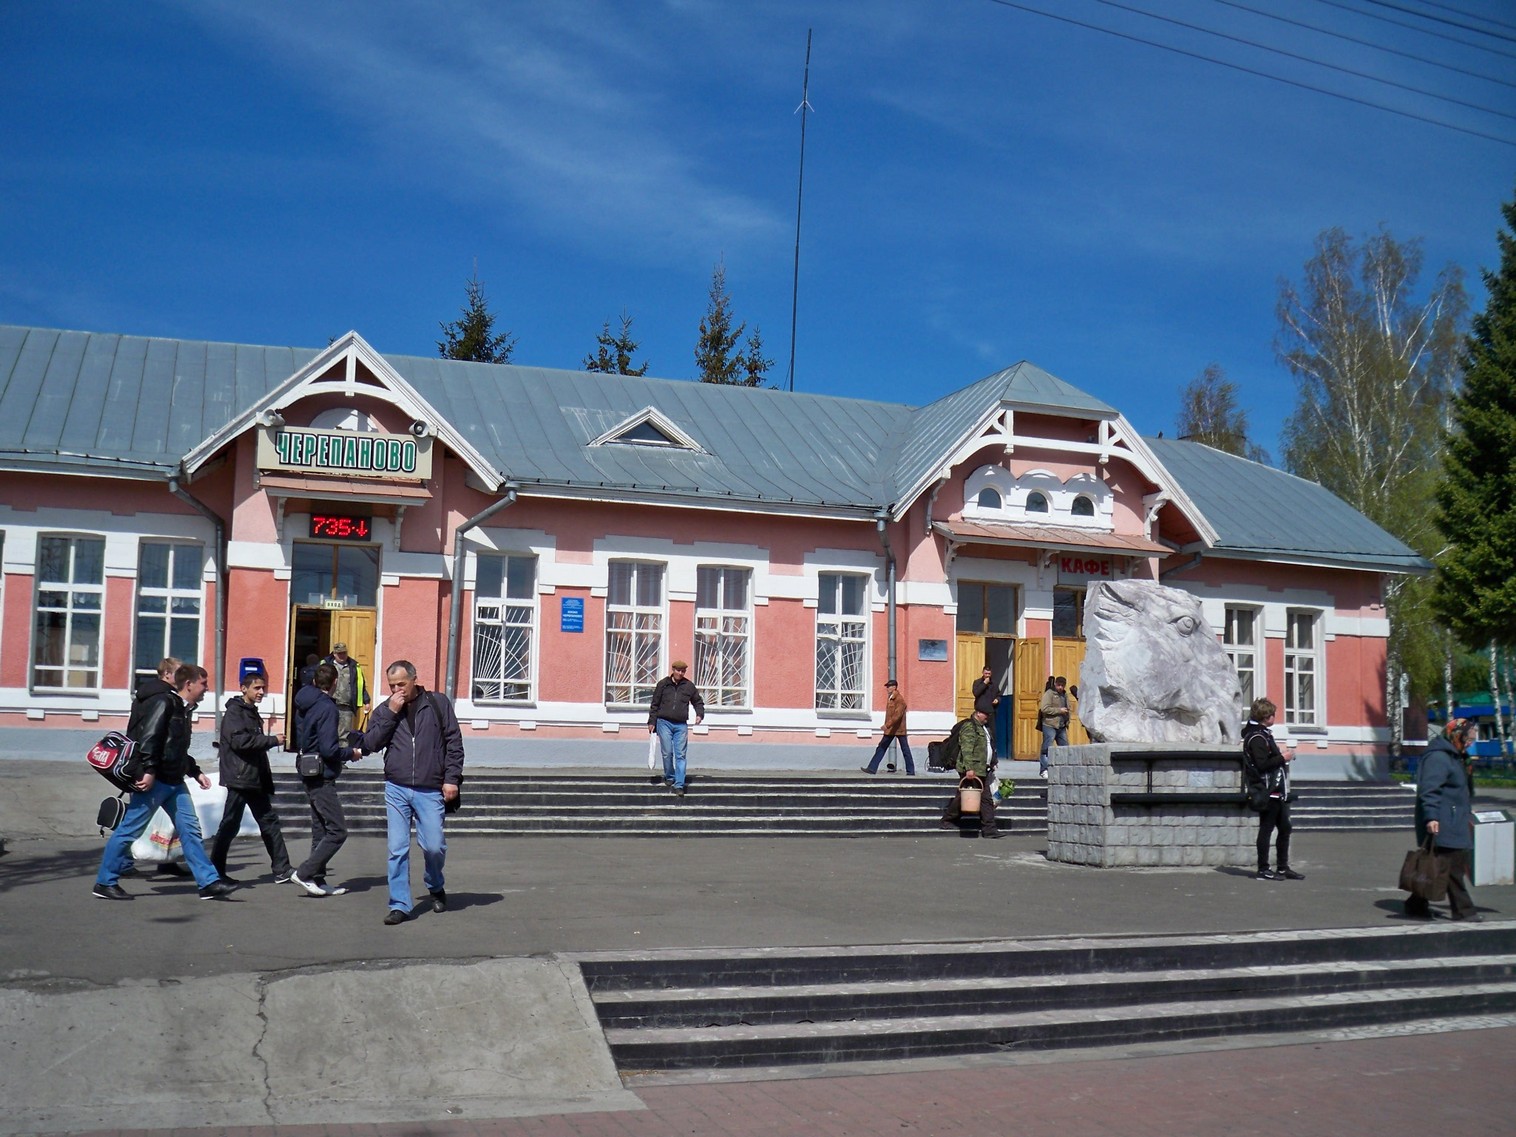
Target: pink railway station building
[[542, 544]]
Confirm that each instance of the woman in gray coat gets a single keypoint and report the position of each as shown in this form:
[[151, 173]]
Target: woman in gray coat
[[1444, 812]]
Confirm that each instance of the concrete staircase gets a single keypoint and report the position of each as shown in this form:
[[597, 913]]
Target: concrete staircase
[[749, 1009], [624, 803]]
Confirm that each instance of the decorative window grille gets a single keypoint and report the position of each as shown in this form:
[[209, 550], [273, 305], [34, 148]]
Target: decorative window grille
[[841, 641], [723, 636], [634, 622], [505, 628]]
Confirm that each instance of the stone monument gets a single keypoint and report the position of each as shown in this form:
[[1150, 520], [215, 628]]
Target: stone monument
[[1153, 670], [1161, 785]]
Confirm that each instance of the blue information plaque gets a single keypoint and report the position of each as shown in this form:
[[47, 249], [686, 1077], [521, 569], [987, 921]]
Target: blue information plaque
[[571, 614]]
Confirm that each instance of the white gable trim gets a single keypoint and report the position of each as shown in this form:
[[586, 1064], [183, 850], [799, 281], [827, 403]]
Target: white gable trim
[[335, 371], [654, 418]]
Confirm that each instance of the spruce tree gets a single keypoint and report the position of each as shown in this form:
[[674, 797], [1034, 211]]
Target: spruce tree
[[717, 356], [472, 336], [1475, 584], [613, 354]]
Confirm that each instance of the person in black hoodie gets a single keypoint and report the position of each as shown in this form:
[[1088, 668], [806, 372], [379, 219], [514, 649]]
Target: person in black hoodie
[[248, 781], [316, 734]]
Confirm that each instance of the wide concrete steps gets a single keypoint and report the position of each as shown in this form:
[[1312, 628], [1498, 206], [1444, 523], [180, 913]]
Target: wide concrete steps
[[665, 1012], [626, 804]]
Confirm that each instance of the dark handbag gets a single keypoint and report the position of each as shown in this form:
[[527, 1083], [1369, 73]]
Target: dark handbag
[[112, 810], [1425, 873], [1258, 797], [309, 765]]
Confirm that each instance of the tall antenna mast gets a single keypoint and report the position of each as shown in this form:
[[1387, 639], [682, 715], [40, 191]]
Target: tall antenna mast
[[802, 110]]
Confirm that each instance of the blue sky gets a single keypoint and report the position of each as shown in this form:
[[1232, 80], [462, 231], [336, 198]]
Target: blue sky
[[982, 184]]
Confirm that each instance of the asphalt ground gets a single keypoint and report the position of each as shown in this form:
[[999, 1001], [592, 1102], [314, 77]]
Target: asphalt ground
[[172, 1012]]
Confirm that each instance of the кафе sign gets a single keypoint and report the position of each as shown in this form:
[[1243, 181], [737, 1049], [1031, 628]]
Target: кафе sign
[[349, 453]]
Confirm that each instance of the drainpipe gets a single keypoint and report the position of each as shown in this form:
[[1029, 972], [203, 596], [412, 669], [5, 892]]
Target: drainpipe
[[889, 585], [205, 511], [455, 611]]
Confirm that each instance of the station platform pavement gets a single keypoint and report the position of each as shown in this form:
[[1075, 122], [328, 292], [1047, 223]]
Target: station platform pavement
[[170, 1013]]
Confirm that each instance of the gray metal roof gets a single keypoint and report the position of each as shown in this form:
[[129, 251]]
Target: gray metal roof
[[1259, 511], [136, 406], [76, 400]]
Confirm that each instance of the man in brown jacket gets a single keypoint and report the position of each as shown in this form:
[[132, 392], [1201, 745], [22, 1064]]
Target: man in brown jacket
[[894, 727]]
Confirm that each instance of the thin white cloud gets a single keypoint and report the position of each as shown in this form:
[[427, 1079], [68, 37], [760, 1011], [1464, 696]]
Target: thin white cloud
[[558, 111]]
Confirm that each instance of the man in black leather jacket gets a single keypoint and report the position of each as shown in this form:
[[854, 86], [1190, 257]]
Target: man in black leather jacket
[[163, 758]]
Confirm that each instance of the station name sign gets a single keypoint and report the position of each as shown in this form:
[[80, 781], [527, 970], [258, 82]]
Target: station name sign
[[350, 453]]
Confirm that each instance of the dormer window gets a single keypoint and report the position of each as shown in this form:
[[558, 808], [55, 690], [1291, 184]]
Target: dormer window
[[1036, 502], [648, 427], [989, 499], [1082, 507]]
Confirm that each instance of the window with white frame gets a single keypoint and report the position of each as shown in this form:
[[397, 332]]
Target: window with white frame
[[67, 617], [841, 640], [169, 600], [723, 635], [505, 623], [1240, 639], [1302, 668], [633, 631]]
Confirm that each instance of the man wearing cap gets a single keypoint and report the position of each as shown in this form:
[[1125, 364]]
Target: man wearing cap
[[668, 715], [894, 727], [351, 693]]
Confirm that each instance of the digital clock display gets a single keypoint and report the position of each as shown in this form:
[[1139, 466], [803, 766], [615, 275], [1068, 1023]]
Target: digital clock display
[[341, 527]]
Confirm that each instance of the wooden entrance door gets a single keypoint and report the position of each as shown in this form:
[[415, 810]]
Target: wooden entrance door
[[313, 630], [1068, 654], [1030, 679]]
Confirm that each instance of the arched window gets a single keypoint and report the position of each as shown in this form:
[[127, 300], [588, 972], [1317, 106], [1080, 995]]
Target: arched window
[[989, 498], [1036, 502], [1083, 507]]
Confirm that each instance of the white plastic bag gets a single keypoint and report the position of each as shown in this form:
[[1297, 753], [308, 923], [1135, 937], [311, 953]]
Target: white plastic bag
[[159, 842], [654, 751]]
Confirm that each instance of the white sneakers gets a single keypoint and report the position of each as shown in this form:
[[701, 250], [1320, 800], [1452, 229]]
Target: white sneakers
[[311, 886]]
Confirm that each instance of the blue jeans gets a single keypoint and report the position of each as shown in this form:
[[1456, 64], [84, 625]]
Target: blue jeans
[[905, 752], [177, 803], [403, 805], [674, 739], [1052, 736]]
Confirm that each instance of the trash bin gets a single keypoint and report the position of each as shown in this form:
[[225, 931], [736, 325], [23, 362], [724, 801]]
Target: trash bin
[[1494, 847], [250, 666]]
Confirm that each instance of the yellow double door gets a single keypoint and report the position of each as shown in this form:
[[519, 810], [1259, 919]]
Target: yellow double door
[[313, 631], [1019, 669]]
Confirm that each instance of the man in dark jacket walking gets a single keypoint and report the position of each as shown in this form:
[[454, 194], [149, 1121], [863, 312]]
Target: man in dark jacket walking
[[149, 688], [316, 735], [247, 779], [162, 752], [669, 715], [423, 770], [1444, 811]]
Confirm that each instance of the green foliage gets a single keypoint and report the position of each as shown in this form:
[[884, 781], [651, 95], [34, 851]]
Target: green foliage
[[718, 357], [1476, 500], [1208, 413], [1375, 366], [472, 336], [613, 354]]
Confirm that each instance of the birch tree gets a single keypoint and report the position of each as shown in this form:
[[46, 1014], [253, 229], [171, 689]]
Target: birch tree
[[1375, 363], [1208, 413]]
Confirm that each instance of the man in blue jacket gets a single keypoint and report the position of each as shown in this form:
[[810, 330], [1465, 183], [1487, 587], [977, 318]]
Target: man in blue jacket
[[1445, 813], [423, 769]]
